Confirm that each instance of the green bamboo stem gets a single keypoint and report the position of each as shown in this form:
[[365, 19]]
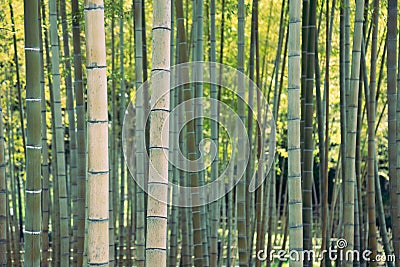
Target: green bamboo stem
[[80, 134], [309, 130], [352, 106], [4, 255], [304, 63], [214, 136], [141, 164], [71, 118], [199, 222], [241, 186], [294, 166], [33, 211], [45, 162], [59, 138]]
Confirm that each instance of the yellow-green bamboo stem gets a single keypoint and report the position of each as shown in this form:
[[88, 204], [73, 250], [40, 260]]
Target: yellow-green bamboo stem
[[33, 213], [3, 197], [59, 138], [352, 106], [294, 167]]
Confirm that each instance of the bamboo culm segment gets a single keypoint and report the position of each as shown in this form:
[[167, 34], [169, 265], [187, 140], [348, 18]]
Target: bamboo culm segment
[[156, 235], [97, 126], [294, 167], [33, 212]]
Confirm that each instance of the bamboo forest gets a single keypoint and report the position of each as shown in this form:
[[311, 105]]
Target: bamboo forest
[[206, 133]]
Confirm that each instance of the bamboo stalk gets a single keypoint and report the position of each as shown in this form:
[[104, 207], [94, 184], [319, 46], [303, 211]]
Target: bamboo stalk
[[294, 166], [97, 126], [156, 234], [33, 147]]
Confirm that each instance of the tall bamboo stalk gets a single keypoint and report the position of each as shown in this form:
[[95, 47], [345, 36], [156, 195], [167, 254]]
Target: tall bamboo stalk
[[45, 163], [188, 146], [33, 143], [294, 167], [113, 177], [156, 235], [198, 54], [372, 238], [97, 126], [59, 137], [352, 106], [250, 222], [308, 131], [3, 197], [71, 116], [343, 92], [241, 187], [80, 135], [214, 136], [140, 137]]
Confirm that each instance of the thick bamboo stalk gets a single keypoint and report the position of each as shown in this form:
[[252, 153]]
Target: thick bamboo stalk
[[156, 235], [97, 126], [33, 147], [294, 167]]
